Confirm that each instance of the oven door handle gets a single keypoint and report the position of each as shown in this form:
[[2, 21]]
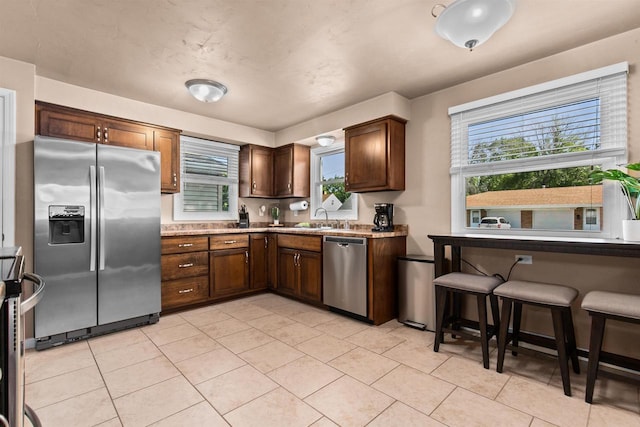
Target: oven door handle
[[35, 298]]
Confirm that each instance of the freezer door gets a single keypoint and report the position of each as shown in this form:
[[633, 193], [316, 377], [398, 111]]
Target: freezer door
[[63, 248], [129, 233]]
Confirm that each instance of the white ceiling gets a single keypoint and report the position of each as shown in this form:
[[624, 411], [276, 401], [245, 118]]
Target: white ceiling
[[284, 61]]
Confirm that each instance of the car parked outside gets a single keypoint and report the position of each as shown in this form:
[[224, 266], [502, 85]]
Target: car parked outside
[[494, 222]]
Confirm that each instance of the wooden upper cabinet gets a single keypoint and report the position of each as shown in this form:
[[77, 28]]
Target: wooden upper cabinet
[[61, 123], [291, 168], [68, 123], [125, 134], [280, 172], [374, 155], [256, 171], [168, 144]]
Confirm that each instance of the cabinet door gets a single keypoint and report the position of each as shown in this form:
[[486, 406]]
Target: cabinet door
[[272, 263], [229, 271], [168, 144], [258, 271], [291, 171], [68, 125], [125, 134], [283, 171], [310, 275], [255, 171], [287, 271], [366, 157]]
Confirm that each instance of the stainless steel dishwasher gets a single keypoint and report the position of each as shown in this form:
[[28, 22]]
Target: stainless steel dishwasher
[[344, 272]]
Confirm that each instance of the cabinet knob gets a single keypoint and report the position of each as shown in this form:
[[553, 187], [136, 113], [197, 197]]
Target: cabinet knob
[[185, 245], [266, 242], [185, 291], [190, 264], [254, 186], [106, 134], [175, 179], [246, 257], [289, 186], [230, 242], [98, 133]]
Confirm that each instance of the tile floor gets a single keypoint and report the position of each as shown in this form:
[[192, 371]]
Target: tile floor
[[269, 361]]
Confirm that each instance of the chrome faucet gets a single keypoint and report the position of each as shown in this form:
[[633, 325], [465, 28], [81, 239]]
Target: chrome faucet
[[326, 214]]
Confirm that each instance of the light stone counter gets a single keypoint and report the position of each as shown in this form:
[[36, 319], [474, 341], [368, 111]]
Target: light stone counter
[[198, 229]]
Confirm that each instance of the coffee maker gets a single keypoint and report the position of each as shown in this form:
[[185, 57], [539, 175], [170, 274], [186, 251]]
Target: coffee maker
[[383, 218]]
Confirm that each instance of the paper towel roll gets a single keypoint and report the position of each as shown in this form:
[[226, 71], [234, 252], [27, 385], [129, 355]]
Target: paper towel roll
[[299, 206]]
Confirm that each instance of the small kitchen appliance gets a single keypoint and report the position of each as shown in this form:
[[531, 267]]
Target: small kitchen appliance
[[383, 218]]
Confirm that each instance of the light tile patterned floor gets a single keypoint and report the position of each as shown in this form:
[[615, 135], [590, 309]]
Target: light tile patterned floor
[[270, 361]]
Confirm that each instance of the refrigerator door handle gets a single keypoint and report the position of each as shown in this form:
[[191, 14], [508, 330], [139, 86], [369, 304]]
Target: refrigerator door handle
[[93, 236], [102, 231]]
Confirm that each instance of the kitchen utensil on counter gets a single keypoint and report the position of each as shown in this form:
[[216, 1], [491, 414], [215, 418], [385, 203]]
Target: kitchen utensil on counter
[[244, 217], [383, 218]]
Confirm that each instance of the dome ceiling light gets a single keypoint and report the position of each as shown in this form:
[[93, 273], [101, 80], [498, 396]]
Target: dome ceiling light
[[206, 90], [469, 23], [325, 140]]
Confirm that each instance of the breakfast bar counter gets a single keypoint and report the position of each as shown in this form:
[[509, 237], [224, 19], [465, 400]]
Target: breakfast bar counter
[[584, 246]]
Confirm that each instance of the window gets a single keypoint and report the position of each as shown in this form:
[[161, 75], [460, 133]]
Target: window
[[209, 180], [527, 156], [327, 180]]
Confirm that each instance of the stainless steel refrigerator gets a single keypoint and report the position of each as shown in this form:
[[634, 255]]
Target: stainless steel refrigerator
[[96, 238]]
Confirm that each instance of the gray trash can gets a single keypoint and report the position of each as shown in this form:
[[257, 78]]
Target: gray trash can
[[416, 294]]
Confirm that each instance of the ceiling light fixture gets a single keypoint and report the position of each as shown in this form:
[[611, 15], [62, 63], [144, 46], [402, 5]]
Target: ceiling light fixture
[[325, 140], [206, 90], [469, 23]]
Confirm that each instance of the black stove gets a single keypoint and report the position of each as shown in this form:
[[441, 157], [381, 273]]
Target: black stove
[[12, 406]]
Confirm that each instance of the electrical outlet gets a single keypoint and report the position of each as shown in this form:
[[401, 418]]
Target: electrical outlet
[[524, 259]]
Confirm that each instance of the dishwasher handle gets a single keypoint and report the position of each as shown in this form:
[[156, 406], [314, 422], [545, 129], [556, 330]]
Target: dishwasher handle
[[345, 241]]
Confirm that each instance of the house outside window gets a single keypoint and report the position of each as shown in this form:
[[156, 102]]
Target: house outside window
[[527, 156], [209, 181], [327, 185]]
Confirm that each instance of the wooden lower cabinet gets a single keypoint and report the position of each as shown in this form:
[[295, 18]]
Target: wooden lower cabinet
[[258, 261], [229, 271], [181, 292], [310, 275], [287, 271], [300, 268], [185, 271], [204, 269]]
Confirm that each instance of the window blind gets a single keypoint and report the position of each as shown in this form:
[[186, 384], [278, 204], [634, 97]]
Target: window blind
[[209, 176], [576, 121]]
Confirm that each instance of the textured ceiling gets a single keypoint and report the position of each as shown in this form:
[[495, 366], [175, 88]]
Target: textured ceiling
[[284, 61]]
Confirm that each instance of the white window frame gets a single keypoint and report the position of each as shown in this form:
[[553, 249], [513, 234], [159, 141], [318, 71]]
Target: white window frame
[[316, 184], [232, 215], [612, 153], [7, 166]]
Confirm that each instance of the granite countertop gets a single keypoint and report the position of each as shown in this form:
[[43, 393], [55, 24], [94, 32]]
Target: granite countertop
[[198, 229]]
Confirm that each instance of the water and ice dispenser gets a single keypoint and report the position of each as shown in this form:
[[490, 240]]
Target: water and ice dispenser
[[66, 224]]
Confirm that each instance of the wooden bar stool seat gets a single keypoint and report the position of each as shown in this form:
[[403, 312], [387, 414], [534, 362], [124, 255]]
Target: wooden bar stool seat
[[470, 284], [602, 305], [558, 299]]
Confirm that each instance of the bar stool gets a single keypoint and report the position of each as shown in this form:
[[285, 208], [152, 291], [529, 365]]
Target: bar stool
[[601, 306], [558, 299], [470, 284]]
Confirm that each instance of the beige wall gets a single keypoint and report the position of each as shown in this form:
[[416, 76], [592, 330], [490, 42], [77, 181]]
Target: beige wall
[[426, 203], [19, 77]]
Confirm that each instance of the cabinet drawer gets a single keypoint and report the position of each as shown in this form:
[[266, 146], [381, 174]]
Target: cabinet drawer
[[185, 265], [184, 291], [307, 243], [180, 244], [228, 241]]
